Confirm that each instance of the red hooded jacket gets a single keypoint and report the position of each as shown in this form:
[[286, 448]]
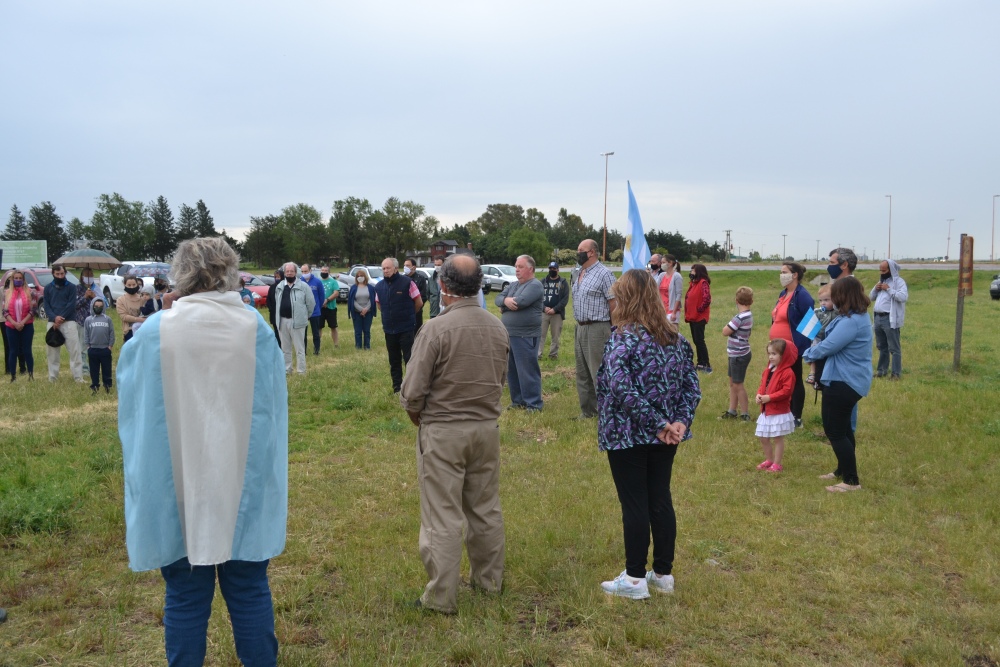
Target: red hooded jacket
[[697, 301], [781, 383]]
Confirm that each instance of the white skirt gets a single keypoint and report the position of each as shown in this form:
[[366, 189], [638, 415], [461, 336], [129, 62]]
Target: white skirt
[[773, 426]]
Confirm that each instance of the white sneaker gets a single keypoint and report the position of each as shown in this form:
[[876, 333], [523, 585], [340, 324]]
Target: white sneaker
[[660, 584], [626, 587]]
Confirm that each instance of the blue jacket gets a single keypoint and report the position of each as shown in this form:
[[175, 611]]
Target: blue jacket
[[398, 314], [60, 301], [801, 305], [351, 311], [319, 293], [847, 349]]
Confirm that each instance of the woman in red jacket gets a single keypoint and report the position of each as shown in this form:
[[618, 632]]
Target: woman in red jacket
[[696, 312], [775, 400]]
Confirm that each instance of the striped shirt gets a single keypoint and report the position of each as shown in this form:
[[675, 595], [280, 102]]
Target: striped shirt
[[738, 343], [591, 293]]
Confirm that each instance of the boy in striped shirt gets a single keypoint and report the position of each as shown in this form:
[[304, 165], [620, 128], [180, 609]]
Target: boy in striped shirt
[[738, 348]]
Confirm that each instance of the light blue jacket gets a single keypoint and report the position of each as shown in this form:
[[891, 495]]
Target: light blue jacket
[[847, 349]]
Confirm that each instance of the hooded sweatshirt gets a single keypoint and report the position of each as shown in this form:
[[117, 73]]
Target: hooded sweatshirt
[[779, 383], [98, 330], [892, 300]]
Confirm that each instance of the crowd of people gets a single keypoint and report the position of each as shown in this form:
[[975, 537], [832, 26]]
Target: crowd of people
[[636, 375]]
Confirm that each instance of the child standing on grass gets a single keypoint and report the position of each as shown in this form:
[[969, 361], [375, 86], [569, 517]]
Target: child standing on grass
[[99, 338], [775, 400], [738, 348], [825, 314]]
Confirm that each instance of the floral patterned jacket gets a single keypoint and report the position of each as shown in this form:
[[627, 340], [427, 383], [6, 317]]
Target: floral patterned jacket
[[642, 387]]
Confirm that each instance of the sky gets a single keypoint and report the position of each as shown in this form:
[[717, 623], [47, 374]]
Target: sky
[[767, 118]]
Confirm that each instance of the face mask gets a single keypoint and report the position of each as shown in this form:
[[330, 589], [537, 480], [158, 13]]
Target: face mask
[[885, 277], [692, 276], [654, 267], [554, 273], [324, 276], [407, 270], [18, 283], [361, 280], [98, 310], [786, 278], [834, 270], [292, 279], [131, 290], [305, 275], [581, 258], [159, 287]]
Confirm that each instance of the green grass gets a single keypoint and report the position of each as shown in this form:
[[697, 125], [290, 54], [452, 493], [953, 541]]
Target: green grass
[[770, 569]]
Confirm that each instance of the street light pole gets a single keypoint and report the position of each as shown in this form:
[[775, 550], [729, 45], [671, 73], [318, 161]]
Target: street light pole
[[604, 245], [994, 233], [783, 254], [947, 248], [888, 254], [817, 250]]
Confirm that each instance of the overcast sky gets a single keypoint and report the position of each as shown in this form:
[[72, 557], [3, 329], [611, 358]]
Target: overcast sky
[[768, 117]]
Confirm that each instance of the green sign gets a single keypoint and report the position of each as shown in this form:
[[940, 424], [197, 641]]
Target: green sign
[[24, 254]]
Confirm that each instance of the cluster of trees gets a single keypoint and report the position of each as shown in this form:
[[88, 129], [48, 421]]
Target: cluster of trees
[[126, 229], [356, 232]]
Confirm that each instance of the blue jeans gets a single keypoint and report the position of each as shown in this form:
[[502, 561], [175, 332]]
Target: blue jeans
[[190, 590], [524, 377], [887, 342], [19, 343], [363, 329]]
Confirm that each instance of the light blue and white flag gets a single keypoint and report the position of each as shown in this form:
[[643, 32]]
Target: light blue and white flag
[[636, 249], [810, 326]]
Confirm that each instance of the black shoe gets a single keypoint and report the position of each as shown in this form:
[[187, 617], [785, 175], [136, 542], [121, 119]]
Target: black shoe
[[728, 415], [798, 423], [12, 377], [107, 390], [93, 391], [31, 376]]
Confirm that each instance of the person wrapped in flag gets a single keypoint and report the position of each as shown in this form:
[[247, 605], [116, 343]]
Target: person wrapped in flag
[[815, 329]]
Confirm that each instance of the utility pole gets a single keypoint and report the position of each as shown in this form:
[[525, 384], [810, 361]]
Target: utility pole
[[604, 245], [728, 244], [783, 255], [947, 248], [817, 250]]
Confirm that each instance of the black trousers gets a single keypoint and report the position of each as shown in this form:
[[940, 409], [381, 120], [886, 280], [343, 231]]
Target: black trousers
[[316, 324], [642, 477], [698, 338], [799, 392], [398, 345], [100, 366], [838, 404]]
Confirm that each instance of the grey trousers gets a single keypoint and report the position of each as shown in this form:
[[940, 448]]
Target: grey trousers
[[458, 468], [589, 344], [887, 342], [555, 321]]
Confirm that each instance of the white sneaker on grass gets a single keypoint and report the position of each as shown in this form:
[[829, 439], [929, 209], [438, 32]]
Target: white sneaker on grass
[[660, 584], [626, 587]]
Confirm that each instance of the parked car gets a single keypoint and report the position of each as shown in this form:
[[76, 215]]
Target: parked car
[[256, 287], [267, 280], [374, 272], [497, 277], [995, 287], [36, 280], [112, 283]]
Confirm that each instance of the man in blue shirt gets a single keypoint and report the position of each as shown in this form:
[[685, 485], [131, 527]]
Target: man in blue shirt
[[316, 317], [60, 299]]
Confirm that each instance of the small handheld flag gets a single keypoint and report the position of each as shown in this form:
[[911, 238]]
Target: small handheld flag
[[636, 249], [810, 326]]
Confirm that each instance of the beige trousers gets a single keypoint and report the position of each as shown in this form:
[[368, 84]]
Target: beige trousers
[[555, 321], [589, 343], [458, 468]]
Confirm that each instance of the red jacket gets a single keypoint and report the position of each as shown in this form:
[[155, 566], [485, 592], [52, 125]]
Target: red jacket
[[697, 301], [781, 383]]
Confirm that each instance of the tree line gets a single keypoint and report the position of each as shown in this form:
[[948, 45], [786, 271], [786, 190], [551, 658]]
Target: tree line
[[355, 232]]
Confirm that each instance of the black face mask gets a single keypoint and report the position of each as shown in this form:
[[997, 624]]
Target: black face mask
[[885, 277], [654, 267], [159, 287], [132, 290], [554, 273], [324, 276], [290, 280], [693, 276], [98, 310], [581, 257]]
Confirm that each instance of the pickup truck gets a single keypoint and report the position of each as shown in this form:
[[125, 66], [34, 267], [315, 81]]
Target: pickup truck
[[374, 272], [112, 283]]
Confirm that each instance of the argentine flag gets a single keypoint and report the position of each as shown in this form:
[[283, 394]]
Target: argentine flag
[[810, 326], [636, 249]]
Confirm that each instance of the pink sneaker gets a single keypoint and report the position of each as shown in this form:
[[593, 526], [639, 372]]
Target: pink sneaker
[[775, 467], [764, 465]]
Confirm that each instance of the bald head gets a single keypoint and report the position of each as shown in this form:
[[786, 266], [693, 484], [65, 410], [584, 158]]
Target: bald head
[[460, 275]]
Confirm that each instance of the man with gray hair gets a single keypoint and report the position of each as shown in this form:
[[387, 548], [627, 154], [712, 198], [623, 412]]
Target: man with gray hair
[[295, 302], [520, 305], [593, 303], [843, 261], [398, 300], [452, 393]]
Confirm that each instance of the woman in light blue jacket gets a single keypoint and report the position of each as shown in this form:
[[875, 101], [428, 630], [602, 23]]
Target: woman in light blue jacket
[[847, 375]]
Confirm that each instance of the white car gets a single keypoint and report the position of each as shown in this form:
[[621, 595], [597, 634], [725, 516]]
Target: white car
[[497, 277], [112, 283]]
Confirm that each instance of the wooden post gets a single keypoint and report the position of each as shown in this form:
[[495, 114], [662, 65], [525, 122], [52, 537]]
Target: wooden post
[[964, 289]]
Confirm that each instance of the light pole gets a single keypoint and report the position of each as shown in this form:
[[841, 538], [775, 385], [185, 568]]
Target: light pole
[[888, 254], [994, 234], [604, 244], [783, 255], [947, 248], [817, 250]]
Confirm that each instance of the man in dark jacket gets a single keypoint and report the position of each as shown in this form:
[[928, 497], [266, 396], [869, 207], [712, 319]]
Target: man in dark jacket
[[60, 298], [555, 290], [398, 301], [410, 271], [272, 307]]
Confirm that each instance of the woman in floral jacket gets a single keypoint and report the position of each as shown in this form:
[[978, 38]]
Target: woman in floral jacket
[[647, 392]]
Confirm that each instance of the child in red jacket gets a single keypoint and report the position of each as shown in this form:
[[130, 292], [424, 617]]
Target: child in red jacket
[[775, 400]]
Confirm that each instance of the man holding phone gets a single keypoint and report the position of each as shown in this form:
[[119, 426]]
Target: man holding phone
[[889, 303]]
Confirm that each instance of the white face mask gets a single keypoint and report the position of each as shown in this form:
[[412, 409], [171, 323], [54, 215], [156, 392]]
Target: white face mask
[[786, 279], [407, 270], [361, 280]]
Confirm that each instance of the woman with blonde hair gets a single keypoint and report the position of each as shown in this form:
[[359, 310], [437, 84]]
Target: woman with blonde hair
[[19, 307], [647, 392]]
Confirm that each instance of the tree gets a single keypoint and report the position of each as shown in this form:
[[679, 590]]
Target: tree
[[349, 217], [569, 230], [491, 231], [76, 230], [44, 224], [303, 233], [264, 243], [187, 223], [536, 220], [164, 233], [17, 226], [233, 243], [124, 221], [206, 225], [525, 241]]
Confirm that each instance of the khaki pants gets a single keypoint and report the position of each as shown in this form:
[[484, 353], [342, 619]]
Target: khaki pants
[[589, 346], [555, 321], [291, 340], [458, 468], [70, 331]]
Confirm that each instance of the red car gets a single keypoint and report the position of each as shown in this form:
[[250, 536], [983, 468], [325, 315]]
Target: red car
[[257, 287], [37, 279]]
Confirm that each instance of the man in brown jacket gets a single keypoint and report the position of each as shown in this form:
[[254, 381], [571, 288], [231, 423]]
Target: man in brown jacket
[[452, 393]]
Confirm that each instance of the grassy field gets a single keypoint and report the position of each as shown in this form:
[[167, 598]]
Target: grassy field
[[770, 569]]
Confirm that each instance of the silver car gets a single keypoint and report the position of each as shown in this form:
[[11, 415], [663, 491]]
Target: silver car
[[497, 277]]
